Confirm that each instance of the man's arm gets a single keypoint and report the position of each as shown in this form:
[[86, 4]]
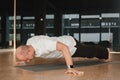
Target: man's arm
[[66, 53]]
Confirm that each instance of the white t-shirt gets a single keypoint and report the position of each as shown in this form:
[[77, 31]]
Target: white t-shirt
[[45, 46]]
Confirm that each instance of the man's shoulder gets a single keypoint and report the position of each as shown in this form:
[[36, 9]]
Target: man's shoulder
[[66, 36]]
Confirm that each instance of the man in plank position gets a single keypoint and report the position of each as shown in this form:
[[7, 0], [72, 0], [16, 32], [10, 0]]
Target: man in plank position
[[57, 47]]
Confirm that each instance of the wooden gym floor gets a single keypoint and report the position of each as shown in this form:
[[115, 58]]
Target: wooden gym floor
[[53, 69]]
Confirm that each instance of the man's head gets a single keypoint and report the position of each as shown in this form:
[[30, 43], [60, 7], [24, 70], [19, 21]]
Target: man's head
[[23, 53]]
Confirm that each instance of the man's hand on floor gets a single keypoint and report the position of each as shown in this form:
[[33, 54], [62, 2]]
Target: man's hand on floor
[[20, 63], [74, 72]]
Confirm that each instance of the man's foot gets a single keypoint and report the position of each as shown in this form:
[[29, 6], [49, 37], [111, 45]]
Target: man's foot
[[109, 57]]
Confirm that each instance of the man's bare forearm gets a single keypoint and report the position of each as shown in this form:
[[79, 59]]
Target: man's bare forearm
[[67, 57], [66, 52]]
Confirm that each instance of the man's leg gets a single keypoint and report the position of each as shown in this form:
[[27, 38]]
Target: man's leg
[[91, 51], [109, 57]]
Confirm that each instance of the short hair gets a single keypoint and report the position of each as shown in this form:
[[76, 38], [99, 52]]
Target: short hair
[[21, 50]]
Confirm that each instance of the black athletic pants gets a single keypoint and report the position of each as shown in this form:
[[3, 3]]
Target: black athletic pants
[[90, 51]]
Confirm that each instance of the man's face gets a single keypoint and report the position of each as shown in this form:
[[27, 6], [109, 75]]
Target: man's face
[[27, 57]]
